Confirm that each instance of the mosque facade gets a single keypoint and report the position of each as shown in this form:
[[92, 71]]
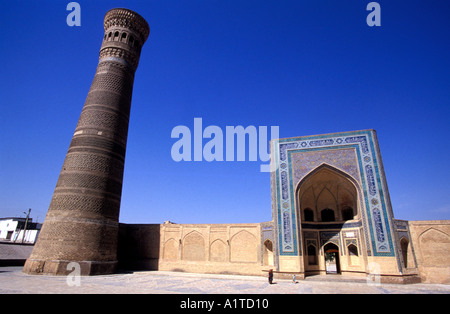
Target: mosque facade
[[331, 215], [331, 210]]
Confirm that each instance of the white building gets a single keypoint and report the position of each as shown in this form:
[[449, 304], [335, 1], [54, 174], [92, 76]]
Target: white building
[[12, 230]]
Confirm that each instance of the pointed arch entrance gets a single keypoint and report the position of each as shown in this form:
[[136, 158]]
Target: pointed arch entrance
[[329, 214], [332, 263], [327, 194], [268, 253]]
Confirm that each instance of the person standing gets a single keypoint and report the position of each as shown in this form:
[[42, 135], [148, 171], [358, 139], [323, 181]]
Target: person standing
[[270, 276]]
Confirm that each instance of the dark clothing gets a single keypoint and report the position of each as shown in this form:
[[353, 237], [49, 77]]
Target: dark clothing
[[270, 276]]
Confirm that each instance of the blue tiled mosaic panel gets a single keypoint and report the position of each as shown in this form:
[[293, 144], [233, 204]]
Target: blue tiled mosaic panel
[[376, 216]]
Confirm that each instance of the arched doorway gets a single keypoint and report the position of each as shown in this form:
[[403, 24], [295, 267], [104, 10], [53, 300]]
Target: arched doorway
[[331, 253], [268, 253], [404, 247], [329, 211], [327, 195]]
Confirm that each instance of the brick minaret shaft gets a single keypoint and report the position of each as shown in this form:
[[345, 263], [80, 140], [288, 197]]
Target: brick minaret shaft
[[83, 217]]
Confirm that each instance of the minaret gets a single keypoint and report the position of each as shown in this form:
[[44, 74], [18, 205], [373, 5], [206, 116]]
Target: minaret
[[83, 218]]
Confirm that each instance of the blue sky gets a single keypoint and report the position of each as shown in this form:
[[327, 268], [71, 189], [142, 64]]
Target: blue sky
[[309, 67]]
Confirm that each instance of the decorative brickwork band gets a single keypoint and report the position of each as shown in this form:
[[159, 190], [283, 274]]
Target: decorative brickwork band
[[82, 220]]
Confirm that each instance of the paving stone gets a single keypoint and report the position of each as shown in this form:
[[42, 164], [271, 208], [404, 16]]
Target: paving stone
[[12, 281]]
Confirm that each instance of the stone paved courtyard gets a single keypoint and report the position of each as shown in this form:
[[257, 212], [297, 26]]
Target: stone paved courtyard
[[12, 280]]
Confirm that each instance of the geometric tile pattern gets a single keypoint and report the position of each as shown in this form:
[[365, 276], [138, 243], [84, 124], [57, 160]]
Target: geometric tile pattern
[[355, 153]]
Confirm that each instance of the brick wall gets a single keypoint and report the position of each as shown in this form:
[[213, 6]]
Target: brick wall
[[202, 248], [431, 242]]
